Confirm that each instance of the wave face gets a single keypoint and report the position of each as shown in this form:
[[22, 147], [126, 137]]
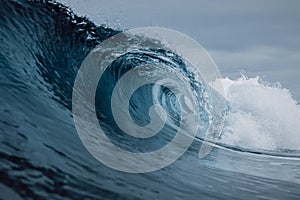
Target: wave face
[[42, 45]]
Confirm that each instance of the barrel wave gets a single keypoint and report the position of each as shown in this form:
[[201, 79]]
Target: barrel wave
[[43, 44]]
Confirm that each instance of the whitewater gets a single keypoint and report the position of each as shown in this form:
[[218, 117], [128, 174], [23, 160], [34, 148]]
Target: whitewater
[[262, 116]]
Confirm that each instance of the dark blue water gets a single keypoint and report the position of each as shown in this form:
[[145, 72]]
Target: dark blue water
[[41, 156]]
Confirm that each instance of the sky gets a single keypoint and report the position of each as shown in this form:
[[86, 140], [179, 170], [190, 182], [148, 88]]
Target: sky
[[259, 37]]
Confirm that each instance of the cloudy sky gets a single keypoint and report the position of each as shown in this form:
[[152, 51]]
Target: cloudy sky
[[261, 37]]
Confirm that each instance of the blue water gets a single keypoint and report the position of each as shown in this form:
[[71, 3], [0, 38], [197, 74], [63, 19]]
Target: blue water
[[41, 156]]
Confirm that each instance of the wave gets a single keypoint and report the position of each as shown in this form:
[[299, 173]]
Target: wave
[[42, 45]]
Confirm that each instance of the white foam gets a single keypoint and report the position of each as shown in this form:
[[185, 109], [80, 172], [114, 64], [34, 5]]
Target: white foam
[[262, 116]]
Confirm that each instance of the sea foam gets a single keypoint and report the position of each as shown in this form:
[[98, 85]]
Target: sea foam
[[261, 115]]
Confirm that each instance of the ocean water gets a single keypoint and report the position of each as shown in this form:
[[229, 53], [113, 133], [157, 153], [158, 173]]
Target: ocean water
[[257, 154]]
